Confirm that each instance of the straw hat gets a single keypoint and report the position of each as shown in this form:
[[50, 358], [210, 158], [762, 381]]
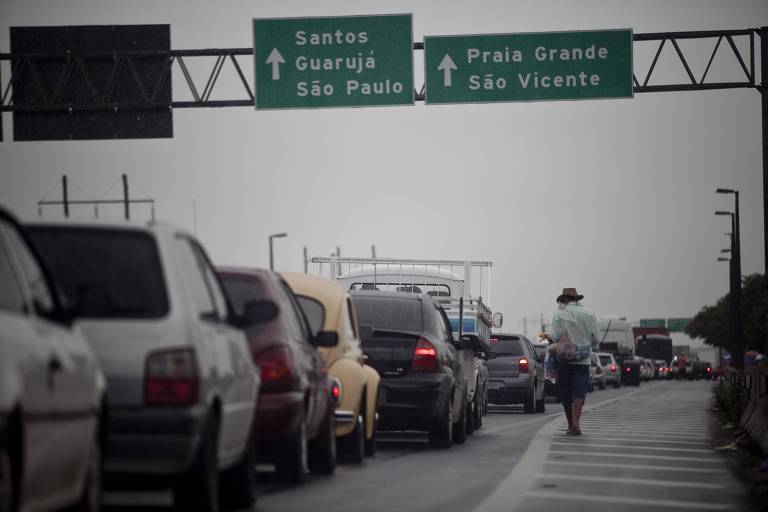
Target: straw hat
[[569, 295]]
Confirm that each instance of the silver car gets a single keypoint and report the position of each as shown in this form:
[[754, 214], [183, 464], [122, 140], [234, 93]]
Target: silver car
[[182, 387], [51, 391], [611, 369], [516, 373]]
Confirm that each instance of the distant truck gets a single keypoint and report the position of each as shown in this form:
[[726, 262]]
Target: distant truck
[[654, 347], [615, 336]]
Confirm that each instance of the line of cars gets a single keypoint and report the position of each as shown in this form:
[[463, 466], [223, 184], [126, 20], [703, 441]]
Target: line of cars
[[129, 361]]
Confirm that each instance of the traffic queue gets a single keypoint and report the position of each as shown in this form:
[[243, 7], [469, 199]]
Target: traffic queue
[[131, 362]]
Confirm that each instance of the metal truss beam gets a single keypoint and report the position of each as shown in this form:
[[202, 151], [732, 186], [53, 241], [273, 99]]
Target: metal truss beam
[[124, 68]]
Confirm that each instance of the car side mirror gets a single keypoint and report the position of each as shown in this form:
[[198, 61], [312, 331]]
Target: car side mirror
[[325, 339], [366, 331], [258, 312]]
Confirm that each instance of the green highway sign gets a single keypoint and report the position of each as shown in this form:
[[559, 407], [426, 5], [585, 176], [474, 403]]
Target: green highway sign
[[678, 324], [350, 61], [528, 67], [652, 322]]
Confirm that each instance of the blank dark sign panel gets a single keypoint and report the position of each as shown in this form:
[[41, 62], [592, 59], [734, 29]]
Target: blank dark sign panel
[[113, 93]]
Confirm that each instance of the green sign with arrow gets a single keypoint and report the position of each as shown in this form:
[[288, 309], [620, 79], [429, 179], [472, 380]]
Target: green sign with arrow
[[350, 61], [528, 67]]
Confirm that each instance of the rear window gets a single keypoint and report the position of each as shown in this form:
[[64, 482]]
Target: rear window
[[314, 311], [384, 313], [241, 290], [507, 345], [109, 273], [605, 360]]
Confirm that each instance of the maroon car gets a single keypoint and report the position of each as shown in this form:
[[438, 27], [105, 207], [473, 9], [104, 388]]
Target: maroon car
[[295, 428]]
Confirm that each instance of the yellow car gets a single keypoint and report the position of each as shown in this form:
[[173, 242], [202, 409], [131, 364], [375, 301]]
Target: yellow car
[[327, 306]]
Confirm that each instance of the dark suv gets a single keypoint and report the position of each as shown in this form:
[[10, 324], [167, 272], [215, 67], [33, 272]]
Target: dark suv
[[407, 339], [295, 426], [516, 373]]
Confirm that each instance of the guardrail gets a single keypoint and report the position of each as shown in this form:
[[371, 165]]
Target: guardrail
[[754, 420]]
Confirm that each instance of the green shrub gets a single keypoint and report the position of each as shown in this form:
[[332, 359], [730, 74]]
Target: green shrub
[[731, 399]]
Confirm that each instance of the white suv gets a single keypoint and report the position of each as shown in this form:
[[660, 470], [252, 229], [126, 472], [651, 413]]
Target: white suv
[[182, 387], [51, 389]]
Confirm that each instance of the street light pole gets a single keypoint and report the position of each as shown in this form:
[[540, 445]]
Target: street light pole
[[737, 355], [271, 250]]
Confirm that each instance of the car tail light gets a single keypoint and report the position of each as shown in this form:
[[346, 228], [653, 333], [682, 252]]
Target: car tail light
[[613, 368], [709, 370], [171, 378], [336, 391], [425, 357], [276, 367], [523, 365], [629, 370]]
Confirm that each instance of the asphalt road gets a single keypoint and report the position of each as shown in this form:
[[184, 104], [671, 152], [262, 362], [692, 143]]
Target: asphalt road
[[636, 446]]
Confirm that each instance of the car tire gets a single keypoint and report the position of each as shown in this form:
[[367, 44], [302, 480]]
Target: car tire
[[540, 407], [292, 460], [7, 477], [238, 489], [199, 488], [617, 384], [529, 405], [602, 385], [460, 427], [353, 444], [470, 416], [370, 444], [441, 435], [322, 449], [478, 416], [90, 499], [591, 387]]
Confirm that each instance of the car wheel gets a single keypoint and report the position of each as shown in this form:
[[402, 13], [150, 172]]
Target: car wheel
[[291, 463], [591, 387], [238, 489], [529, 405], [7, 495], [470, 416], [370, 444], [602, 384], [617, 384], [352, 445], [540, 403], [322, 449], [485, 402], [199, 489], [90, 500], [441, 435], [478, 416], [460, 427]]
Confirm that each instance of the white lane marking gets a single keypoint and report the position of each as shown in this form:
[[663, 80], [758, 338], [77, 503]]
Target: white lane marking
[[633, 456], [585, 440], [650, 503], [513, 426], [511, 491], [655, 448], [640, 433], [686, 469], [632, 481]]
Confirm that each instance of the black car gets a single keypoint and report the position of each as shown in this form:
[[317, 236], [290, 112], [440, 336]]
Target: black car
[[407, 339], [516, 373], [630, 370]]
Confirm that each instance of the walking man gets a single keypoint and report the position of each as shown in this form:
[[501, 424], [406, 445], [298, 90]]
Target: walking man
[[574, 333]]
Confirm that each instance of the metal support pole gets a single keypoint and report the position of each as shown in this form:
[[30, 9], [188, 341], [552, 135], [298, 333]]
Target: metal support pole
[[461, 317], [764, 93], [271, 255], [736, 259], [65, 195], [306, 261], [125, 197]]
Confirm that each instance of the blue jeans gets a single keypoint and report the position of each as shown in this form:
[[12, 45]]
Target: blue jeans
[[572, 381]]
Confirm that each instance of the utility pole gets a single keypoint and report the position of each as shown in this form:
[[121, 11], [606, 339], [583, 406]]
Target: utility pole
[[65, 195], [306, 260], [125, 197]]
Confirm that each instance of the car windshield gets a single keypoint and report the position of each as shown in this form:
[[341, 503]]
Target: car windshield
[[507, 345], [605, 360], [389, 313], [241, 290], [108, 273], [314, 311], [540, 349]]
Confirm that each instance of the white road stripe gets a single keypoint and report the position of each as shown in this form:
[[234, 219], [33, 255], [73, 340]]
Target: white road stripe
[[632, 481], [650, 433], [656, 448], [625, 439], [691, 505], [633, 456], [685, 469]]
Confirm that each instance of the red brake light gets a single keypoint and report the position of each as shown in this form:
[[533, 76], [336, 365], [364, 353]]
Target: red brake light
[[425, 357], [170, 378], [523, 364], [336, 391], [275, 365], [709, 370], [613, 368], [629, 369]]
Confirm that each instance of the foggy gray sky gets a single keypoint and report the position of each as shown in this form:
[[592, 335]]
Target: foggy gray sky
[[614, 197]]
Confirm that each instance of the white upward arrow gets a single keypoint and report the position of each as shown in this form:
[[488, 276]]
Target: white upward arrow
[[446, 65], [275, 59]]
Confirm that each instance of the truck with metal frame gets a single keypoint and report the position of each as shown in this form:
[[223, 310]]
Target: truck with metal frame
[[462, 288]]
